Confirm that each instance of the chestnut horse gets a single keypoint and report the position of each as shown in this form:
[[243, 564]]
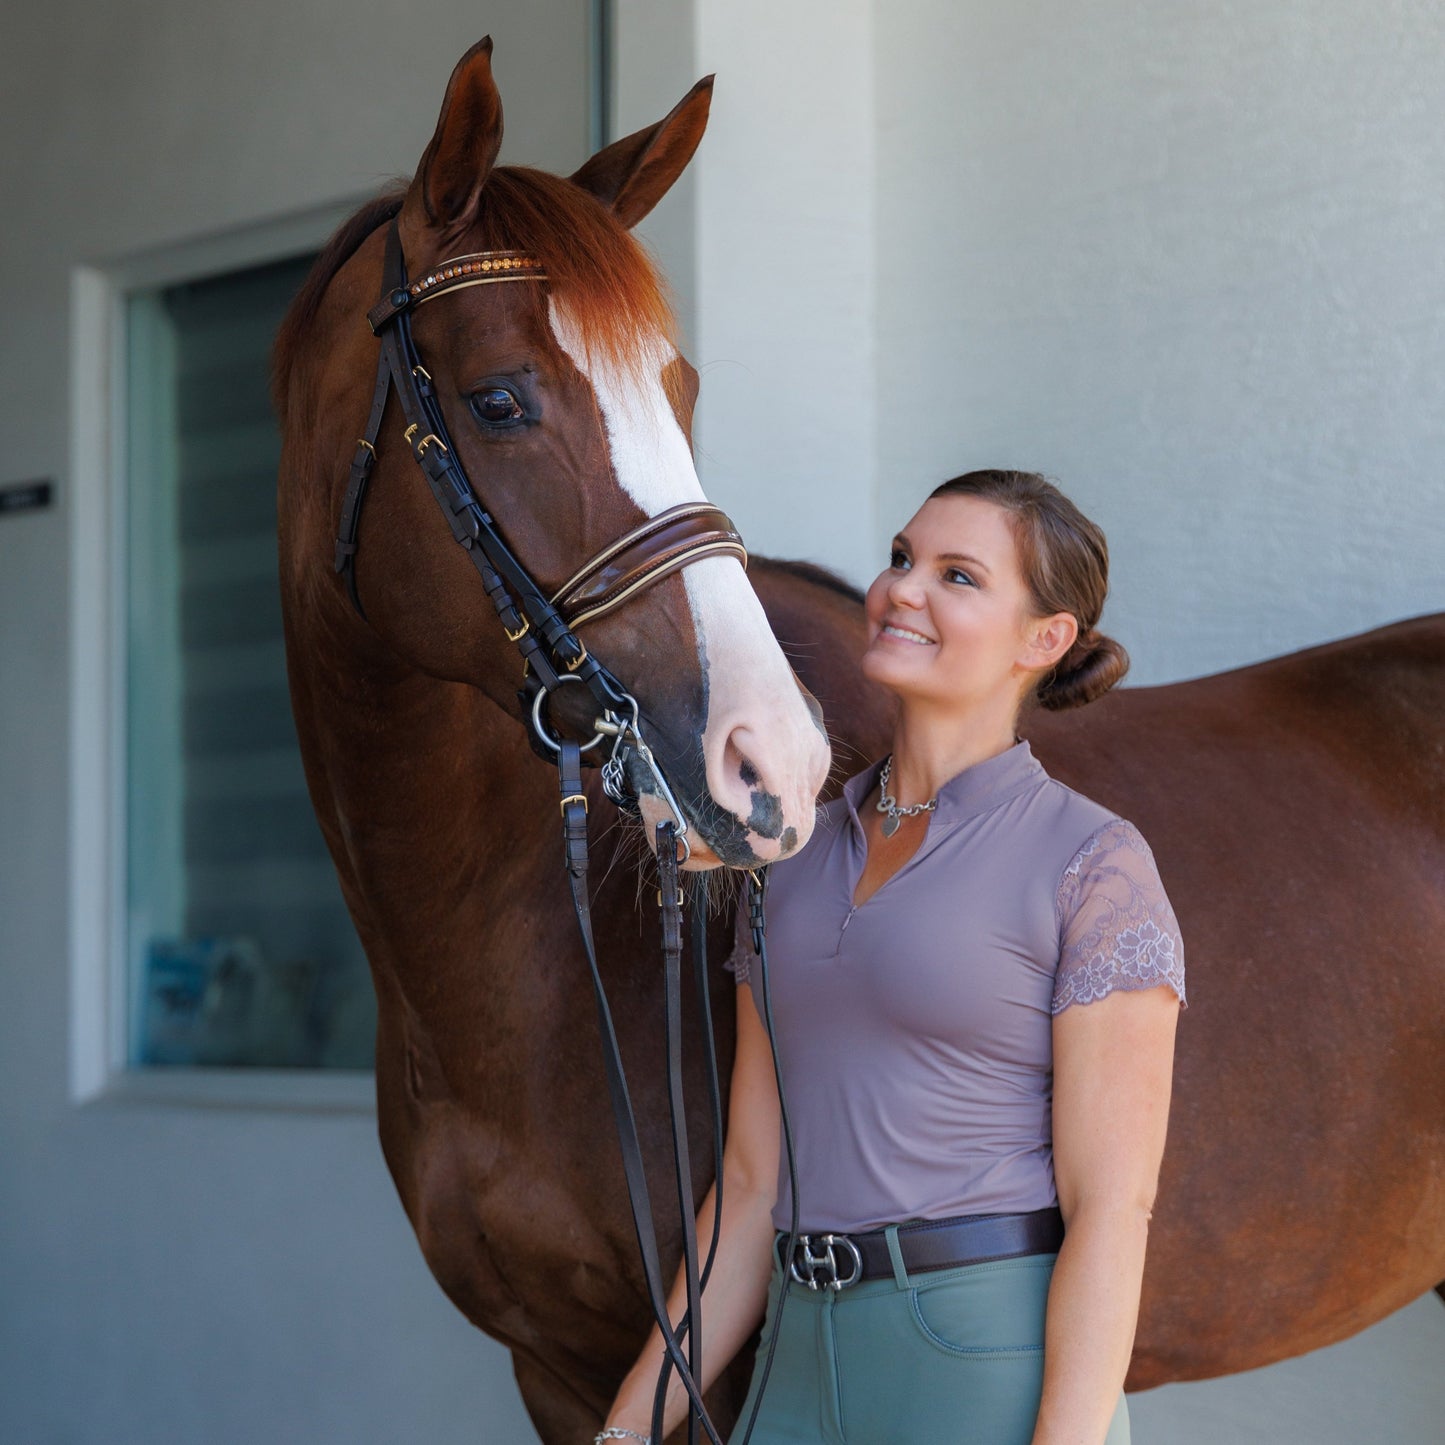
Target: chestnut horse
[[1297, 810]]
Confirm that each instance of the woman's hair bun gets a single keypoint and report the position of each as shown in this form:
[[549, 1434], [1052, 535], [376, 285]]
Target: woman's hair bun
[[1092, 666]]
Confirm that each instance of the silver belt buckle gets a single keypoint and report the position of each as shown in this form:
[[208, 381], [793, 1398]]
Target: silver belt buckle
[[815, 1261]]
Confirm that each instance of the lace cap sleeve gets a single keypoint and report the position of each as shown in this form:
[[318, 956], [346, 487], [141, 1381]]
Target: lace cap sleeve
[[1116, 927], [739, 962]]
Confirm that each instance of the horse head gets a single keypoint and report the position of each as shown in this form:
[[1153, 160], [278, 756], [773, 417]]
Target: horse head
[[569, 408]]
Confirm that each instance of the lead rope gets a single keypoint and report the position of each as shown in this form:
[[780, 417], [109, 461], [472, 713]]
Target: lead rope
[[574, 835], [757, 891], [709, 1044], [669, 898], [709, 1049]]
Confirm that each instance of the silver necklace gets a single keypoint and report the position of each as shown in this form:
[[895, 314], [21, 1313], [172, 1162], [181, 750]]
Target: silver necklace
[[889, 805]]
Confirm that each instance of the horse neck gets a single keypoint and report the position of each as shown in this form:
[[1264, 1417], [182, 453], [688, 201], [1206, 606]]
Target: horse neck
[[411, 776]]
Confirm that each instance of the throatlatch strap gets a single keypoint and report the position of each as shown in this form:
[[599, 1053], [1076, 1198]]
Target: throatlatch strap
[[361, 465]]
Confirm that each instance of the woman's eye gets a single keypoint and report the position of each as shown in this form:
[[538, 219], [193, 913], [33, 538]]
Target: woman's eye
[[496, 406], [898, 559], [956, 574]]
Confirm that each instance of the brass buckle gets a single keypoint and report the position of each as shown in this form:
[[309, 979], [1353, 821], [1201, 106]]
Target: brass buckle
[[573, 666], [573, 798], [520, 633]]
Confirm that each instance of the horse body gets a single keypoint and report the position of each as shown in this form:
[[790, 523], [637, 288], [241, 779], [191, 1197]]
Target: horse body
[[1297, 810]]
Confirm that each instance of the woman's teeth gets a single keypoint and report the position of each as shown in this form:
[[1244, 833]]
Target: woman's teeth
[[906, 635]]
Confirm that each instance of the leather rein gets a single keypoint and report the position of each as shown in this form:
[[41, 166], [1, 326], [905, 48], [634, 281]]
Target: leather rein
[[544, 629]]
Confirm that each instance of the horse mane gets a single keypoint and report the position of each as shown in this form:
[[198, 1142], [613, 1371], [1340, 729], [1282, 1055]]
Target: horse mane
[[342, 246], [607, 281]]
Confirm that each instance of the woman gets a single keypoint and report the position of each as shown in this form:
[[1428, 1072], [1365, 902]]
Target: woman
[[976, 977]]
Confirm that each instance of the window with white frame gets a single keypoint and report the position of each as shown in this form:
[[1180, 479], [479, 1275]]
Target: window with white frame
[[240, 952]]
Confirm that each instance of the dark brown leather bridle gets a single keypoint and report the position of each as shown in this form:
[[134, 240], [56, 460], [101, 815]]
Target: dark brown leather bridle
[[543, 628], [544, 631]]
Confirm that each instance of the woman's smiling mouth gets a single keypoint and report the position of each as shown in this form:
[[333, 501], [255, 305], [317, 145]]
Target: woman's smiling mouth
[[905, 635]]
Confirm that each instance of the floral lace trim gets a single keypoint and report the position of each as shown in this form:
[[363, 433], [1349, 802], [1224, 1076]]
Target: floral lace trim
[[1118, 928], [739, 961]]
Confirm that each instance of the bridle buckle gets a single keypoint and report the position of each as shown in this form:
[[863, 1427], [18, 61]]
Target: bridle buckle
[[818, 1267]]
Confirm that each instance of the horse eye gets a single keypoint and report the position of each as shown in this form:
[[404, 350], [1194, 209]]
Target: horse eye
[[496, 406]]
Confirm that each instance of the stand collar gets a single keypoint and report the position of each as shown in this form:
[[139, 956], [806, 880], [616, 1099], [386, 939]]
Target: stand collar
[[975, 790]]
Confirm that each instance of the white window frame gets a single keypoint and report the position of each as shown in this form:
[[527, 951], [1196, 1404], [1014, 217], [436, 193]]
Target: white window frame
[[100, 987]]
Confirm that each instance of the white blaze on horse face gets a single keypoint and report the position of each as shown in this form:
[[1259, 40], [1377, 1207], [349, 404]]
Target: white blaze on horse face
[[765, 758]]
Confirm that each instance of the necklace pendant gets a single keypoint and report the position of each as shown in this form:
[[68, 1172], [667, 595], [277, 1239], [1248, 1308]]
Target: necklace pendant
[[891, 824]]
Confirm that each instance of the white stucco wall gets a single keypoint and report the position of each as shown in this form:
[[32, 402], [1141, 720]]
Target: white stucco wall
[[1189, 260], [1185, 258], [785, 266]]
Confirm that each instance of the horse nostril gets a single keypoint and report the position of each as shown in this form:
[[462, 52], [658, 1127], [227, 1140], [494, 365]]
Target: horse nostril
[[760, 809]]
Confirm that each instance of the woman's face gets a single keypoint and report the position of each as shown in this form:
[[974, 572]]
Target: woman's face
[[951, 622]]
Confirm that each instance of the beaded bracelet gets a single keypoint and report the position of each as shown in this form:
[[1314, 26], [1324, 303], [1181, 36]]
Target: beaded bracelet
[[613, 1432]]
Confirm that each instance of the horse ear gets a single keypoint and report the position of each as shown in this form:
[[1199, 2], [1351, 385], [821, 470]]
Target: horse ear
[[633, 174], [455, 166]]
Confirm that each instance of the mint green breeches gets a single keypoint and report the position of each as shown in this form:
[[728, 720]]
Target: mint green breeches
[[947, 1357]]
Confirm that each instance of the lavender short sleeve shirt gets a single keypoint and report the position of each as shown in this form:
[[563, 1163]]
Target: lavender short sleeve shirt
[[915, 1031]]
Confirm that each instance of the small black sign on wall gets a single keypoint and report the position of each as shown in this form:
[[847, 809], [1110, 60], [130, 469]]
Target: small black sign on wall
[[25, 497]]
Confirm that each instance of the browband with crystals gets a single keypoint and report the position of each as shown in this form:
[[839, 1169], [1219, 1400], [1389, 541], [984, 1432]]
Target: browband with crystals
[[480, 268]]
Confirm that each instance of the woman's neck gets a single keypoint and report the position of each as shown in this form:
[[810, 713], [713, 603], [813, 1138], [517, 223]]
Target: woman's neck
[[929, 748]]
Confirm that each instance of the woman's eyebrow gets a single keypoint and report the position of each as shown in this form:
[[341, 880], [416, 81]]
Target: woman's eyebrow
[[963, 557]]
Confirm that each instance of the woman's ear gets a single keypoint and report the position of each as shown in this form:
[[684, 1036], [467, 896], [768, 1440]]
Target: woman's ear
[[1049, 638]]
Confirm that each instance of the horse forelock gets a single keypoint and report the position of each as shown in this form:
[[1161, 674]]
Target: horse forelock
[[598, 274]]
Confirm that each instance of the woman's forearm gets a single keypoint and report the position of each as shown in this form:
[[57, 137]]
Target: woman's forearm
[[1093, 1309], [732, 1306]]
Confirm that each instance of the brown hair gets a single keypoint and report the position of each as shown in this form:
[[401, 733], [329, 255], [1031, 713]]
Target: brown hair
[[1065, 562]]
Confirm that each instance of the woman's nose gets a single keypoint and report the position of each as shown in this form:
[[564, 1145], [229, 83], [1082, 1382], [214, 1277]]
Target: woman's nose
[[905, 591]]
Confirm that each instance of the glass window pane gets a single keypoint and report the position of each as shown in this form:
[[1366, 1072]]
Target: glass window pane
[[241, 952]]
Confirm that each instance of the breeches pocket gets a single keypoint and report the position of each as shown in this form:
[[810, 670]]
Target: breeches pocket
[[995, 1309]]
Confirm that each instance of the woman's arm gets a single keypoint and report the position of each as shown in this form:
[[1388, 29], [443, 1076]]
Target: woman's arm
[[738, 1286], [1113, 1064]]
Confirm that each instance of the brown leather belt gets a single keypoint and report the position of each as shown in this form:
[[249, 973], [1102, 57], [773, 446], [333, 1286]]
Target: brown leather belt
[[835, 1261]]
